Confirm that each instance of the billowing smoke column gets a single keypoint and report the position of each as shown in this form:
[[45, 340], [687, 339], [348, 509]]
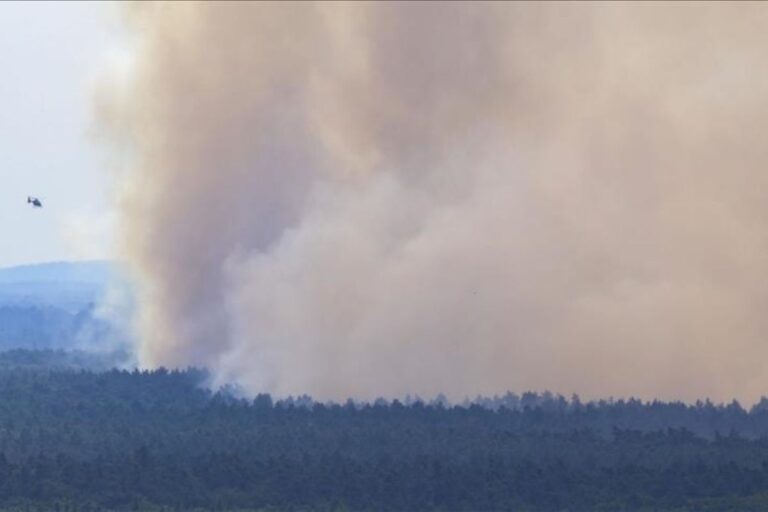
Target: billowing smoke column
[[378, 199]]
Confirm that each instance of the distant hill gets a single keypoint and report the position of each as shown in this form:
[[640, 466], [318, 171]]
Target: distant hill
[[56, 305], [94, 272], [67, 285]]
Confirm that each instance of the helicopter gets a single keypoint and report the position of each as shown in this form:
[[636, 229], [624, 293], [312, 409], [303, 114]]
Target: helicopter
[[35, 202]]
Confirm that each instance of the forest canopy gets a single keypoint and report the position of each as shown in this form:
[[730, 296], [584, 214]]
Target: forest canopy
[[78, 439]]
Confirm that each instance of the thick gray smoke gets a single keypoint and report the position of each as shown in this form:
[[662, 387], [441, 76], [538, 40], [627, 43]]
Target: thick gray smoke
[[377, 199]]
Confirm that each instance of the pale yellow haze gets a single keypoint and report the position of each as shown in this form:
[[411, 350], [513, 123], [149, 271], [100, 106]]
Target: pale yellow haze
[[364, 199]]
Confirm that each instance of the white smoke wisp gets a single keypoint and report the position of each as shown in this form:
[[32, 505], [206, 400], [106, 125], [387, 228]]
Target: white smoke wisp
[[383, 198]]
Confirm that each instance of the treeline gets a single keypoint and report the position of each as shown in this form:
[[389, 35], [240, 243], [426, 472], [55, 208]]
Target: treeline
[[131, 440], [63, 360]]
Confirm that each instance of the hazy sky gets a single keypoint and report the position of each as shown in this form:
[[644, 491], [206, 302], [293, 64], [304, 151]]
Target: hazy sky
[[51, 54]]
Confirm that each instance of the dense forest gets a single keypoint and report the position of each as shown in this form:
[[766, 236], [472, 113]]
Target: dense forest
[[77, 439]]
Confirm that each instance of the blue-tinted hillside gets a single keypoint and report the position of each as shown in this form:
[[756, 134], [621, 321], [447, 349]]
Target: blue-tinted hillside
[[57, 305]]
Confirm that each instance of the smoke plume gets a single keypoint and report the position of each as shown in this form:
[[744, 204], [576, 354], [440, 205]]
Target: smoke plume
[[363, 199]]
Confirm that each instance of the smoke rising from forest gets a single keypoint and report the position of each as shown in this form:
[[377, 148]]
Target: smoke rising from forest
[[372, 199]]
